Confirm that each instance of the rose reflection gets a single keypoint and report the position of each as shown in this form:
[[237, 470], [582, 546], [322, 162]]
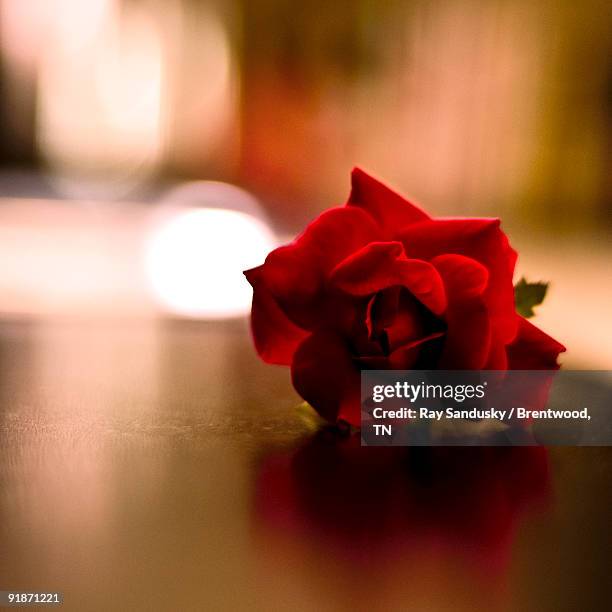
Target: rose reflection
[[371, 504]]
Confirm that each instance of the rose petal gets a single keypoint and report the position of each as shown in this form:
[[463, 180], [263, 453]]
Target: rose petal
[[532, 349], [404, 357], [468, 337], [381, 311], [482, 240], [498, 357], [380, 265], [410, 322], [275, 336], [388, 208], [468, 334], [295, 274], [324, 374], [463, 276]]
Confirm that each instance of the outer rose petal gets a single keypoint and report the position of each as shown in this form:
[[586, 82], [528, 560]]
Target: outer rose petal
[[275, 336], [482, 240], [295, 274], [468, 335], [391, 211], [532, 349], [381, 265], [324, 374]]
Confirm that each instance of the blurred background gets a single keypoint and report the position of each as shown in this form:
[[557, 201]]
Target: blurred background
[[469, 107], [151, 150]]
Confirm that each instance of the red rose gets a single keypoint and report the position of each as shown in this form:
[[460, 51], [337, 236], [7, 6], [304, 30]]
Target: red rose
[[379, 284]]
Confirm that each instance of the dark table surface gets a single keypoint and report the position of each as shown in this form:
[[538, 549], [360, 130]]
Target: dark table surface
[[161, 466]]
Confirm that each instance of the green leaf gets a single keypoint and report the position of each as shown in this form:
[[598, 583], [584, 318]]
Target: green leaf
[[527, 295]]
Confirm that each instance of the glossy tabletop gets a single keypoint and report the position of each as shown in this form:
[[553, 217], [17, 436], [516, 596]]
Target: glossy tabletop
[[158, 465]]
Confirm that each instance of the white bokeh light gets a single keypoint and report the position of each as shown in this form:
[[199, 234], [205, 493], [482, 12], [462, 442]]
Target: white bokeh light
[[195, 261]]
